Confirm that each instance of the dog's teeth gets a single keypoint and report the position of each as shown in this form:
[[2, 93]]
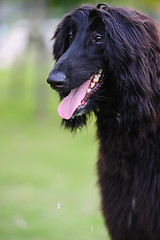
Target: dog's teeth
[[96, 79], [88, 90], [92, 84], [100, 72]]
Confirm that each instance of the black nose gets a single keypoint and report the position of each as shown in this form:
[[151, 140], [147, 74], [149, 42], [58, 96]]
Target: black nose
[[57, 80]]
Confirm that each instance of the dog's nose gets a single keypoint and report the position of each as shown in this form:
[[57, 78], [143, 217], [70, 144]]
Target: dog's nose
[[57, 80]]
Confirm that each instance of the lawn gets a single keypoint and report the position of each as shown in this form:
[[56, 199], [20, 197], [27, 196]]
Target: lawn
[[48, 181]]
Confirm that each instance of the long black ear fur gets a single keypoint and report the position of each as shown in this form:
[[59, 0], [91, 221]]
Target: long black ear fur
[[60, 44], [132, 53]]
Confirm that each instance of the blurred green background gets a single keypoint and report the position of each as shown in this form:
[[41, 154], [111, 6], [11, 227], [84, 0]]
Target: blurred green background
[[48, 182]]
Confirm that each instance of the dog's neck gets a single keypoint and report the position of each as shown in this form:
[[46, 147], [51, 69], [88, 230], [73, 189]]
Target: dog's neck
[[112, 122]]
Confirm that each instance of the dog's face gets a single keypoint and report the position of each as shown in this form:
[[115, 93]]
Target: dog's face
[[78, 72], [107, 54]]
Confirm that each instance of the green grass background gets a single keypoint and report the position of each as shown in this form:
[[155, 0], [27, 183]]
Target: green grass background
[[42, 165]]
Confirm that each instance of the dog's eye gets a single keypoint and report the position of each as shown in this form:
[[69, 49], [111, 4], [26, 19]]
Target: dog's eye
[[70, 38], [98, 38]]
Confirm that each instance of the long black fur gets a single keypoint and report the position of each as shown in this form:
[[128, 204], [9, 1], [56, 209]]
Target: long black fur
[[127, 107]]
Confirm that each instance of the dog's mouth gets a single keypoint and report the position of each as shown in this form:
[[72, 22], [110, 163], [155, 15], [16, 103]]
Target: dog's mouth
[[74, 104]]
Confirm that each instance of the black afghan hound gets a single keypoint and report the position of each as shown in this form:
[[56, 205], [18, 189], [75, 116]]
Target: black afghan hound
[[108, 62]]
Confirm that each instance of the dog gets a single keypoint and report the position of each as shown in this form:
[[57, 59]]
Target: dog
[[108, 62]]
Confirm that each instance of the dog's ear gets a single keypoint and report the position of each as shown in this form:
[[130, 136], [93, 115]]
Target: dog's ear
[[60, 43], [132, 54]]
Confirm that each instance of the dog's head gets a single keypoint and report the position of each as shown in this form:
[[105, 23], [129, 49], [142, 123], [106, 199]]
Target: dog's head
[[103, 54], [78, 72]]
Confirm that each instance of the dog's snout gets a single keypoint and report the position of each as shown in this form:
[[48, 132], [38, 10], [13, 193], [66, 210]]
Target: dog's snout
[[57, 80]]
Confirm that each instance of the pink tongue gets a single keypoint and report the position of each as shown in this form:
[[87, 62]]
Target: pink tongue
[[70, 103]]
